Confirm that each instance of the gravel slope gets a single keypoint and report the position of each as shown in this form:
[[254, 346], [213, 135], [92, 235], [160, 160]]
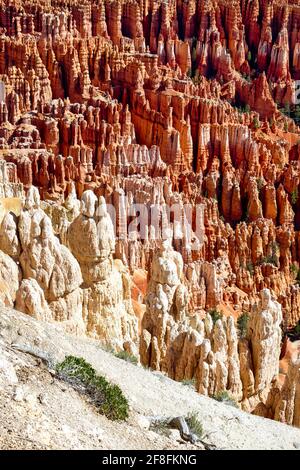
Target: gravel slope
[[38, 411]]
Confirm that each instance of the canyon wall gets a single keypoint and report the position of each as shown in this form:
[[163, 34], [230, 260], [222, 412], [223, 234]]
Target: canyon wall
[[115, 110]]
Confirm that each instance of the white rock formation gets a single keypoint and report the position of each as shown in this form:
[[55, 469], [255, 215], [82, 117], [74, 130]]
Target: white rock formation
[[107, 308], [166, 311], [265, 339], [9, 280], [9, 242], [30, 299], [53, 275], [288, 407]]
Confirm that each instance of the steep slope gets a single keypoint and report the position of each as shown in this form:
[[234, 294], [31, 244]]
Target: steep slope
[[37, 411], [182, 111]]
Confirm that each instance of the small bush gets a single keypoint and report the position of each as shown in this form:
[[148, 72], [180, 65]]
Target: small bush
[[250, 268], [256, 123], [271, 259], [125, 356], [215, 315], [161, 428], [195, 425], [242, 324], [295, 196], [225, 398], [189, 382], [297, 329], [294, 334], [107, 397]]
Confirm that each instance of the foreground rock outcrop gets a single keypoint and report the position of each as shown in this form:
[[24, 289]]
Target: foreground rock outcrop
[[49, 414]]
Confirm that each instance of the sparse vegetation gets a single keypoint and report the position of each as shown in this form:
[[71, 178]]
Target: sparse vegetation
[[125, 356], [295, 196], [246, 77], [297, 329], [195, 425], [189, 382], [256, 123], [273, 257], [161, 428], [291, 111], [270, 259], [250, 268], [241, 109], [242, 324], [215, 315], [107, 397], [226, 398], [294, 334], [190, 427], [197, 79]]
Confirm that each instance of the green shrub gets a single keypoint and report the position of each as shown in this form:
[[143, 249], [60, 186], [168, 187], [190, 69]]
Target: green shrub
[[294, 334], [189, 382], [107, 397], [294, 270], [242, 324], [271, 259], [125, 356], [295, 196], [256, 123], [215, 315], [163, 426], [287, 109], [195, 425], [226, 398], [297, 329]]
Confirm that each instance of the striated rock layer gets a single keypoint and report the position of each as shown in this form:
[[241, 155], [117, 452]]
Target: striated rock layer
[[149, 177]]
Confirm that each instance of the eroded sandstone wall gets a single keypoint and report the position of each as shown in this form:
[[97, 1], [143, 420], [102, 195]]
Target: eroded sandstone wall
[[107, 104]]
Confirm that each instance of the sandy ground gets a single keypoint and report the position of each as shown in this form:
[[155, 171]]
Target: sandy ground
[[37, 411]]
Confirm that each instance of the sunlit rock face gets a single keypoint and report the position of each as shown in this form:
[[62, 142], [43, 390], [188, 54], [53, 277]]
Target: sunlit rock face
[[124, 121], [107, 307]]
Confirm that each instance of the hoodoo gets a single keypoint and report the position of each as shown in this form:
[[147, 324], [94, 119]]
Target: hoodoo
[[149, 190]]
